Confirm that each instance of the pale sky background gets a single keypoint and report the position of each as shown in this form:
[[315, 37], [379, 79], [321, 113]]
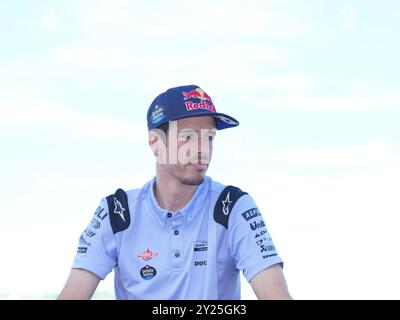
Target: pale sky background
[[314, 84]]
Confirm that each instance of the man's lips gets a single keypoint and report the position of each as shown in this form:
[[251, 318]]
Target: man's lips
[[198, 166]]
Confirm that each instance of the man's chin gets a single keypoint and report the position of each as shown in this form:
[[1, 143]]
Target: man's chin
[[194, 180]]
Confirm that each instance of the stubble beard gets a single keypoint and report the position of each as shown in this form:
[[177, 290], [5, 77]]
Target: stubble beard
[[178, 172]]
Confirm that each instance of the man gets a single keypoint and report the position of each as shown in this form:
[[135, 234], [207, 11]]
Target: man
[[182, 235]]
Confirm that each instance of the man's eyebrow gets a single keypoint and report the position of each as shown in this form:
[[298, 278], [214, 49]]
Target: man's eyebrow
[[187, 130], [191, 130]]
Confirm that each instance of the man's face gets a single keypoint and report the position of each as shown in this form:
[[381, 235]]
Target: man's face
[[188, 149]]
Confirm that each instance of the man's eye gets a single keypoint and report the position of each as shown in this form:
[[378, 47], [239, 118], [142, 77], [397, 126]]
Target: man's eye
[[188, 137], [210, 138]]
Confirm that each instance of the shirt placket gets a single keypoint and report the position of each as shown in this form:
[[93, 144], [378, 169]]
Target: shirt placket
[[176, 225]]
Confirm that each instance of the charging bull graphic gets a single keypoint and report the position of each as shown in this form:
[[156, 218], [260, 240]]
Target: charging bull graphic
[[199, 94]]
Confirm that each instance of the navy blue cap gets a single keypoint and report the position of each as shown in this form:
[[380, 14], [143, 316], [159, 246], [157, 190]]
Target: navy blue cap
[[185, 102]]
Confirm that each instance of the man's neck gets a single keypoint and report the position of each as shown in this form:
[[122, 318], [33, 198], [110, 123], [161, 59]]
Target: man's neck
[[175, 195]]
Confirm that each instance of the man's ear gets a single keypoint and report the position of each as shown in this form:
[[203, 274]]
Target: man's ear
[[157, 143], [153, 142]]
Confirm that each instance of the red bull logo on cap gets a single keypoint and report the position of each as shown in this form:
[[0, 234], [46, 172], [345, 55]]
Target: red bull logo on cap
[[205, 100]]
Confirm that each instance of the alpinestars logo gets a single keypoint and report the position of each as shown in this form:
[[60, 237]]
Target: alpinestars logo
[[119, 209], [225, 204]]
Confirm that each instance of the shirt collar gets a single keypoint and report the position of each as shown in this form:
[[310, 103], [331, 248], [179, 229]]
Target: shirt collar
[[194, 205]]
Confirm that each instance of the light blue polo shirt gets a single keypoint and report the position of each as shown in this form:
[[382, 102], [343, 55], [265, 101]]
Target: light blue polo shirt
[[195, 253]]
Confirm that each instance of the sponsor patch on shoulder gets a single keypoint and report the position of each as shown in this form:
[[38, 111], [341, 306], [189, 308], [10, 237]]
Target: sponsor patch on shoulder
[[82, 249], [89, 233], [251, 214], [95, 224], [100, 213], [262, 232], [83, 241], [257, 224]]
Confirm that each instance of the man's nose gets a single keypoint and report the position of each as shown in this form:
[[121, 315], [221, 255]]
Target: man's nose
[[204, 149]]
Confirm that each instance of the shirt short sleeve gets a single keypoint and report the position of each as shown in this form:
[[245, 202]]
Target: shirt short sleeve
[[250, 242], [97, 246]]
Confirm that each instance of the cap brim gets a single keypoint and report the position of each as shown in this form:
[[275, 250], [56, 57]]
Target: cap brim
[[222, 121]]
